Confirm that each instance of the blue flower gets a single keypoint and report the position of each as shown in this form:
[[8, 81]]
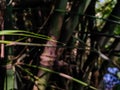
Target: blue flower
[[110, 79], [113, 70]]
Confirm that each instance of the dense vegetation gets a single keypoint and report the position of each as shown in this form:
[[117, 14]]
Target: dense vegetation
[[59, 44]]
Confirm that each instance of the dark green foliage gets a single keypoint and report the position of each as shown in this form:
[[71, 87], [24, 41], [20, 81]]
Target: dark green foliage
[[84, 38]]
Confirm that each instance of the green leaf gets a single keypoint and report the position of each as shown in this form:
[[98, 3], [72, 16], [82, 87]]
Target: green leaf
[[27, 34], [10, 43], [62, 75]]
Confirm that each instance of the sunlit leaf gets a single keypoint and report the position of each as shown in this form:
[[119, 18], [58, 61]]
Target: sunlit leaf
[[27, 34]]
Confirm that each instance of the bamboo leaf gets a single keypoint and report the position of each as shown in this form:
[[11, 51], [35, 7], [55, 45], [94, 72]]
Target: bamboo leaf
[[9, 43], [17, 32], [27, 34], [62, 75]]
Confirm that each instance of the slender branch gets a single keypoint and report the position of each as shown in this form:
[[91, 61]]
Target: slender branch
[[2, 37], [62, 75]]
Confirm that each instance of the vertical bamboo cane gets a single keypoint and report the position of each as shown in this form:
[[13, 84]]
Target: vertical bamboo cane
[[49, 54]]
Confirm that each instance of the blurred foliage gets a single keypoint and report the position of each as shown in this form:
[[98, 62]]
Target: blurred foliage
[[117, 30], [31, 22], [103, 10]]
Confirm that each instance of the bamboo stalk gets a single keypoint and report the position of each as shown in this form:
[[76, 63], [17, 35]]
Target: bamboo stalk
[[49, 53]]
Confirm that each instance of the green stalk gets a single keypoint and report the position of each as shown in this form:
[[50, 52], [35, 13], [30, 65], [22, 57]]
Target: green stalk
[[62, 75], [73, 21], [55, 29], [9, 82]]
